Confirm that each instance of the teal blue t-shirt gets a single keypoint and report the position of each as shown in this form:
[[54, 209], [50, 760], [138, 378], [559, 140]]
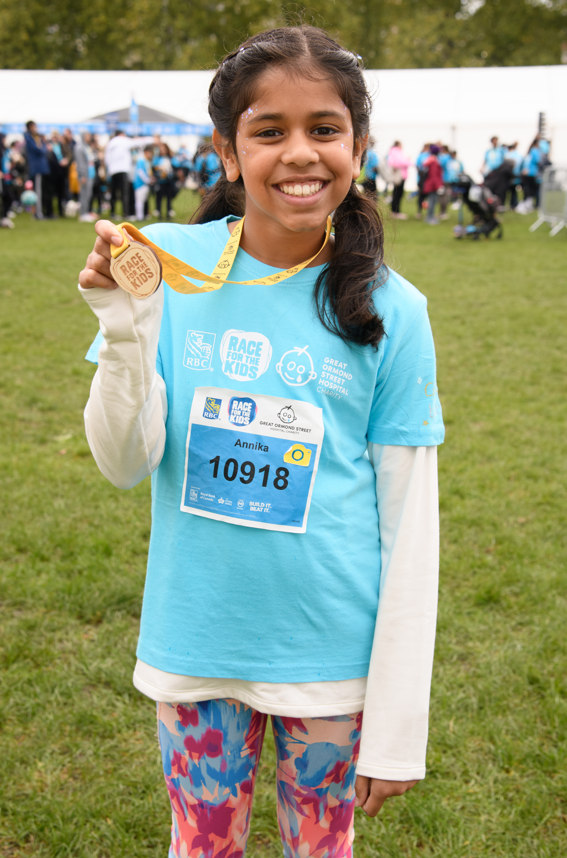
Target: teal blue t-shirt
[[228, 599]]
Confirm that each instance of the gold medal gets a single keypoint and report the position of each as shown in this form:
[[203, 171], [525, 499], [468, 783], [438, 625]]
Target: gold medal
[[135, 267], [134, 263]]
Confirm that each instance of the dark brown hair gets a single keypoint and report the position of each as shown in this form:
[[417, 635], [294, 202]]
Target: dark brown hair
[[344, 290]]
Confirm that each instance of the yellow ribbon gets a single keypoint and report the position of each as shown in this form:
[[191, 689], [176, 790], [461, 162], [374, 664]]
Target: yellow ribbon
[[176, 272]]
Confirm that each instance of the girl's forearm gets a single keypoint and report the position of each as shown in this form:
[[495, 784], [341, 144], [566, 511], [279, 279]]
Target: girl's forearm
[[126, 411], [395, 723]]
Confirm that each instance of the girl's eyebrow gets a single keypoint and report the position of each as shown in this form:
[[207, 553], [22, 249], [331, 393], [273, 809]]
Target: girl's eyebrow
[[274, 117]]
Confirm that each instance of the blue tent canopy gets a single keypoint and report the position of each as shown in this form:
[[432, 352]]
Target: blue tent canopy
[[135, 120]]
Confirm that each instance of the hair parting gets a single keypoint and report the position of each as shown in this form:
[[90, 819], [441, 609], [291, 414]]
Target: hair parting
[[343, 292]]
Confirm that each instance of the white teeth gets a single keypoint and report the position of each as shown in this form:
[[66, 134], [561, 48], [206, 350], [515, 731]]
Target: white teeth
[[298, 190]]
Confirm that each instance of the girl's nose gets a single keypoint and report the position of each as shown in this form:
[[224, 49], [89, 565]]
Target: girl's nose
[[299, 150]]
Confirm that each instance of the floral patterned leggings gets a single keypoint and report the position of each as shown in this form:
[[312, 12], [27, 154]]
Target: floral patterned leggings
[[210, 752]]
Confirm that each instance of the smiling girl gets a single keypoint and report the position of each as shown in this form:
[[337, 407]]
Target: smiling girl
[[290, 421]]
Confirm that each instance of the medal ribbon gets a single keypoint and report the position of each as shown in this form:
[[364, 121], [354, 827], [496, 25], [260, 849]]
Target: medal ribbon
[[176, 272]]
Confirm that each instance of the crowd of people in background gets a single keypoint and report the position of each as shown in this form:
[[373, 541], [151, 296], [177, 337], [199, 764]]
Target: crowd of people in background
[[441, 175], [132, 178], [66, 175]]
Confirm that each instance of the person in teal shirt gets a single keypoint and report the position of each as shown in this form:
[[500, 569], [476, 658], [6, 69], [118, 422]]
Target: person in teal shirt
[[289, 417], [371, 165]]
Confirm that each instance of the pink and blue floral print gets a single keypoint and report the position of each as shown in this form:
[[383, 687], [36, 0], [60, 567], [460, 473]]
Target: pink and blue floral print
[[210, 753]]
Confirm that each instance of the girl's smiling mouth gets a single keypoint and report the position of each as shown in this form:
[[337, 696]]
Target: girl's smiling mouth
[[300, 189]]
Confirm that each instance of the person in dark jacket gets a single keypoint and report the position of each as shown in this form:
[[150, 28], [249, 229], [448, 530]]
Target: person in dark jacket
[[38, 169]]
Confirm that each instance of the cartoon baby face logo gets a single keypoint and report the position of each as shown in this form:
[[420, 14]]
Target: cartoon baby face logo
[[296, 367], [287, 414]]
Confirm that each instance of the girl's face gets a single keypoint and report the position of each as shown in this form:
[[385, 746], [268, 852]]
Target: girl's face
[[296, 154]]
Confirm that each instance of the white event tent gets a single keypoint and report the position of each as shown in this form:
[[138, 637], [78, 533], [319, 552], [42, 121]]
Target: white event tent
[[461, 107]]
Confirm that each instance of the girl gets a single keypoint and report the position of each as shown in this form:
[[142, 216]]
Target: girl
[[290, 422], [399, 164], [143, 180], [164, 176]]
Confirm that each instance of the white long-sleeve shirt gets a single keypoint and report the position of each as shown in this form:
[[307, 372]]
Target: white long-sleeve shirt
[[125, 424], [118, 152]]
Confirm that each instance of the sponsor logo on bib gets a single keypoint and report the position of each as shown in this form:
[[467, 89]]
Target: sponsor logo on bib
[[241, 410]]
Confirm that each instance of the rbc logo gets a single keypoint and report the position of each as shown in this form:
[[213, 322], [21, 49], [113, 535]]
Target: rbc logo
[[212, 408], [199, 347]]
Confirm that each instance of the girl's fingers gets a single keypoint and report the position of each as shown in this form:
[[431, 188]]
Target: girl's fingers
[[95, 277], [362, 790], [96, 273], [371, 793], [108, 233]]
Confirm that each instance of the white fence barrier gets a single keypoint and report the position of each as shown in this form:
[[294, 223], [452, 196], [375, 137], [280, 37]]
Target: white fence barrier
[[553, 200]]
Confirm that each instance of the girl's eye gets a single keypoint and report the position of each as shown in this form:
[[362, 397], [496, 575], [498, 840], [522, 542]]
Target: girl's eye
[[268, 132], [325, 131]]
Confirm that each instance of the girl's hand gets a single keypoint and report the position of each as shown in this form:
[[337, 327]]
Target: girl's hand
[[371, 793], [96, 273]]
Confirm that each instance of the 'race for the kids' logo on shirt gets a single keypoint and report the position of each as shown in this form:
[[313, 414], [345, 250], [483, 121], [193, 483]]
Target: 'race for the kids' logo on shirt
[[245, 355], [241, 410]]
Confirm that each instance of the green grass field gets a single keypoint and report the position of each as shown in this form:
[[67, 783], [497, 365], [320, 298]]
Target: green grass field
[[79, 768]]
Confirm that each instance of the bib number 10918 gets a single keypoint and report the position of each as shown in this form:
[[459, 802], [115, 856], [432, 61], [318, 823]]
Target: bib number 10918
[[246, 472], [251, 460]]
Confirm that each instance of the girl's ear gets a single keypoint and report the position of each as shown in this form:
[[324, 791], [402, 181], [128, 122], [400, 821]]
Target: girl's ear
[[358, 151], [224, 150]]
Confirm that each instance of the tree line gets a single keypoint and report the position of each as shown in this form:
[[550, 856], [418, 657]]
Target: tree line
[[195, 34]]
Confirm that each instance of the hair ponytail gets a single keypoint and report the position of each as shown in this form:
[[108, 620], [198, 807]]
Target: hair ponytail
[[344, 290], [224, 198]]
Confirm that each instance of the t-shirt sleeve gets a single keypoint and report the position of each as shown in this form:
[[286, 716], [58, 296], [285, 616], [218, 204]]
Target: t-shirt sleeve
[[405, 407], [92, 353]]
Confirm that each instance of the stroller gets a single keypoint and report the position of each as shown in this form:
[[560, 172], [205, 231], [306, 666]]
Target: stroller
[[483, 204]]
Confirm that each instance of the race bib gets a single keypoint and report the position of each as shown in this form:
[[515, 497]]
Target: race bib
[[251, 460]]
